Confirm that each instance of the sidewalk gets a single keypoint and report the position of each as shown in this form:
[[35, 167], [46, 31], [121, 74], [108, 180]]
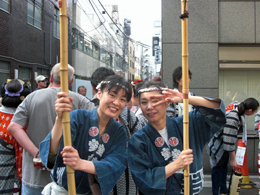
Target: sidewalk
[[252, 191]]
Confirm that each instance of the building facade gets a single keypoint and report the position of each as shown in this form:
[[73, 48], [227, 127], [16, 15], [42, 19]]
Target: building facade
[[29, 38], [224, 48], [131, 53]]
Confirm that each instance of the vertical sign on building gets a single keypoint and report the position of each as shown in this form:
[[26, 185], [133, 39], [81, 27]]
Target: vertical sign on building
[[157, 57], [155, 43]]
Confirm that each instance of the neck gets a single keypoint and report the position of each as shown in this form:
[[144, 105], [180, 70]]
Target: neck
[[94, 92], [180, 89], [159, 125], [54, 85], [102, 121]]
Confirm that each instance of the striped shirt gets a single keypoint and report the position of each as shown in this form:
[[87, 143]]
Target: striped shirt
[[225, 139], [257, 120]]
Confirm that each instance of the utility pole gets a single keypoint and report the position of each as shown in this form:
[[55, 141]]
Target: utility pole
[[127, 33]]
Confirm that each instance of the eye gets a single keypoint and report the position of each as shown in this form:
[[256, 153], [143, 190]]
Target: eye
[[143, 103], [123, 100], [155, 101]]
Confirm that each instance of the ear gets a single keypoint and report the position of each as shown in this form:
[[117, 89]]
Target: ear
[[71, 82], [51, 79], [99, 94]]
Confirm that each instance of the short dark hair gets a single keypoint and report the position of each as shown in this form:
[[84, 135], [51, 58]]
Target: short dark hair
[[136, 87], [176, 75], [13, 86], [118, 82], [99, 75], [81, 86]]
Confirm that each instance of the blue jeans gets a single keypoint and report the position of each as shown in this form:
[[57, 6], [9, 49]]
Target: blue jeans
[[26, 190], [219, 175]]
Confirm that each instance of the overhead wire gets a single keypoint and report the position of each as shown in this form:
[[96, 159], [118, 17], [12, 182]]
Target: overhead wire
[[137, 42], [83, 32]]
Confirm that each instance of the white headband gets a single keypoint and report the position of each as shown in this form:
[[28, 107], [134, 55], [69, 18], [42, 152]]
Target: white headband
[[99, 85], [152, 89], [118, 84]]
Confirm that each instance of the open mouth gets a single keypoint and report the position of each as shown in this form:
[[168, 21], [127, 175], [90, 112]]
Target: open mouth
[[150, 114], [112, 109]]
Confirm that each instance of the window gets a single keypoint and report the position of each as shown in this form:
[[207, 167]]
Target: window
[[43, 72], [106, 57], [96, 51], [25, 75], [4, 72], [5, 5], [56, 24], [238, 85], [34, 14]]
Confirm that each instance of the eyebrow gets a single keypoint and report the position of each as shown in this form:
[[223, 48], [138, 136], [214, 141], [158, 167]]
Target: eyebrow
[[124, 95]]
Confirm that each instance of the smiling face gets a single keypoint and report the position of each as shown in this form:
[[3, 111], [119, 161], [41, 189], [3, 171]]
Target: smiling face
[[111, 103], [156, 115]]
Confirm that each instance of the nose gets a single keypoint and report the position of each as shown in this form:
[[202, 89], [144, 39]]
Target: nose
[[149, 105], [116, 101]]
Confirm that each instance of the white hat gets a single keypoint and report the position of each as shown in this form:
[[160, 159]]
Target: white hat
[[40, 78]]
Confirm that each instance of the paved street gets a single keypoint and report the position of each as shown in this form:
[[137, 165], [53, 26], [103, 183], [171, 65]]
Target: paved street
[[253, 191]]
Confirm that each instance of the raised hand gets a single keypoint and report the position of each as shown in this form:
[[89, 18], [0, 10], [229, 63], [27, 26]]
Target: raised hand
[[63, 103], [168, 95]]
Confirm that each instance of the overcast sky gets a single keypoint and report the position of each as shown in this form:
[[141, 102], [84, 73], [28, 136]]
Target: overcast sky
[[142, 14]]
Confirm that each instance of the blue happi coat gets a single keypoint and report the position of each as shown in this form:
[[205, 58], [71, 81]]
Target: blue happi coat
[[108, 152], [149, 153]]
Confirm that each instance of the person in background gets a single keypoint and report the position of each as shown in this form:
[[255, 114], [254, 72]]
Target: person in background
[[176, 109], [97, 76], [221, 148], [41, 82], [135, 99], [257, 129], [257, 120], [12, 93], [157, 79], [99, 142], [82, 90], [38, 112], [119, 72], [156, 157]]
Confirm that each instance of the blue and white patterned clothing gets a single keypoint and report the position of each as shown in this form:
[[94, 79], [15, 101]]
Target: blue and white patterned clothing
[[149, 154], [107, 151]]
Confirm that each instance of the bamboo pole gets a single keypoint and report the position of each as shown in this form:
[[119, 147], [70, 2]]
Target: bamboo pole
[[64, 87], [185, 91]]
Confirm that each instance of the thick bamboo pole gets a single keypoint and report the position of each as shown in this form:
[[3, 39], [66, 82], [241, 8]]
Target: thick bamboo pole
[[185, 91], [65, 87]]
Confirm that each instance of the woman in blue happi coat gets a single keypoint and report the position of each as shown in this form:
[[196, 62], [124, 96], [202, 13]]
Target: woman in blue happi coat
[[156, 156], [98, 151]]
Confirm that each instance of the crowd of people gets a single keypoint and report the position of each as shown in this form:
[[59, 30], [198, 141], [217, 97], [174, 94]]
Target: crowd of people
[[127, 139]]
